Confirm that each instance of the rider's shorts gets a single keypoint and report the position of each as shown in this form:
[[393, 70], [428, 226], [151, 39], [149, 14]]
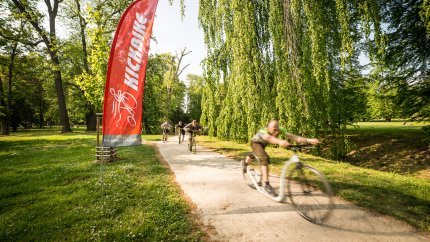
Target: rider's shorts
[[258, 150], [190, 134], [166, 131]]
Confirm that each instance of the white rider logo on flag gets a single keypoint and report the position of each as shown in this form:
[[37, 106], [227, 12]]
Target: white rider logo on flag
[[122, 102]]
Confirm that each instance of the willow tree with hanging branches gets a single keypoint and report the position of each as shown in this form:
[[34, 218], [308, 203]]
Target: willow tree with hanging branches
[[292, 60]]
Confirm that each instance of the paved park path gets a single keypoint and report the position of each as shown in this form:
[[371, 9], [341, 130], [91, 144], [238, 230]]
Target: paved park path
[[238, 213]]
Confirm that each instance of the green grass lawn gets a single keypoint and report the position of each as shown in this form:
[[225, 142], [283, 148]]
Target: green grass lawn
[[396, 146], [401, 196], [51, 188], [395, 124]]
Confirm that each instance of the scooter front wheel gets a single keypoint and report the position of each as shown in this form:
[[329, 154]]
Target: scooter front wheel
[[310, 193]]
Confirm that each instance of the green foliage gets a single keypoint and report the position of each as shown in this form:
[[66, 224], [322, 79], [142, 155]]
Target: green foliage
[[164, 93], [291, 60], [425, 15], [426, 130], [173, 90], [29, 96], [381, 102], [354, 93], [195, 90], [92, 84], [152, 115], [406, 57], [213, 93], [100, 19], [298, 61], [182, 6]]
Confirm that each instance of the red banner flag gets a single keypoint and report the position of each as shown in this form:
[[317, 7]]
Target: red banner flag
[[122, 111]]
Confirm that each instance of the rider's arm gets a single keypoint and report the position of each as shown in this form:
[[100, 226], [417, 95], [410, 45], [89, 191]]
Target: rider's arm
[[275, 141], [296, 138], [302, 140], [187, 127]]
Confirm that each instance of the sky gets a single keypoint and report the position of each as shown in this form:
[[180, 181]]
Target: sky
[[173, 34]]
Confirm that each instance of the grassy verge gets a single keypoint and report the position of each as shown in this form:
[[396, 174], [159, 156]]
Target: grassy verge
[[51, 189], [404, 197], [153, 137]]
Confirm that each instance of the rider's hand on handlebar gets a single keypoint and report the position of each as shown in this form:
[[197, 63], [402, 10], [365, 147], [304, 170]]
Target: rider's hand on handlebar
[[284, 143], [312, 141]]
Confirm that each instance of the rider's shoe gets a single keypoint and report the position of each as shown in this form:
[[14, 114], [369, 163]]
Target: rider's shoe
[[244, 165], [269, 189]]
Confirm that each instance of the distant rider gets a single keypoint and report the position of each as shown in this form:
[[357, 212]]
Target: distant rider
[[193, 126], [181, 127], [166, 128]]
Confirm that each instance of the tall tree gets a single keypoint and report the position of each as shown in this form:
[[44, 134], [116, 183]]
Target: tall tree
[[174, 88], [76, 12], [28, 103], [160, 91], [16, 35], [425, 15], [95, 21], [381, 102], [406, 58], [28, 11], [290, 59], [4, 127]]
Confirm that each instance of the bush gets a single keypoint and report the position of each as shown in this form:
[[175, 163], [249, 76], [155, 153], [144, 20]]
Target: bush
[[426, 130]]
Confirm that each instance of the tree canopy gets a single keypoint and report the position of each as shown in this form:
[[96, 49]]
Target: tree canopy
[[297, 61]]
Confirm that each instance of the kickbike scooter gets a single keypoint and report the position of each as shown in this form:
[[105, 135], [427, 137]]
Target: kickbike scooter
[[308, 189]]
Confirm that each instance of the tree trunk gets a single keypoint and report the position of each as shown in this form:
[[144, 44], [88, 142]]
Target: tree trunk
[[64, 116], [51, 45], [14, 128], [4, 126], [83, 26], [41, 118], [53, 52], [91, 119], [40, 93], [9, 88]]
